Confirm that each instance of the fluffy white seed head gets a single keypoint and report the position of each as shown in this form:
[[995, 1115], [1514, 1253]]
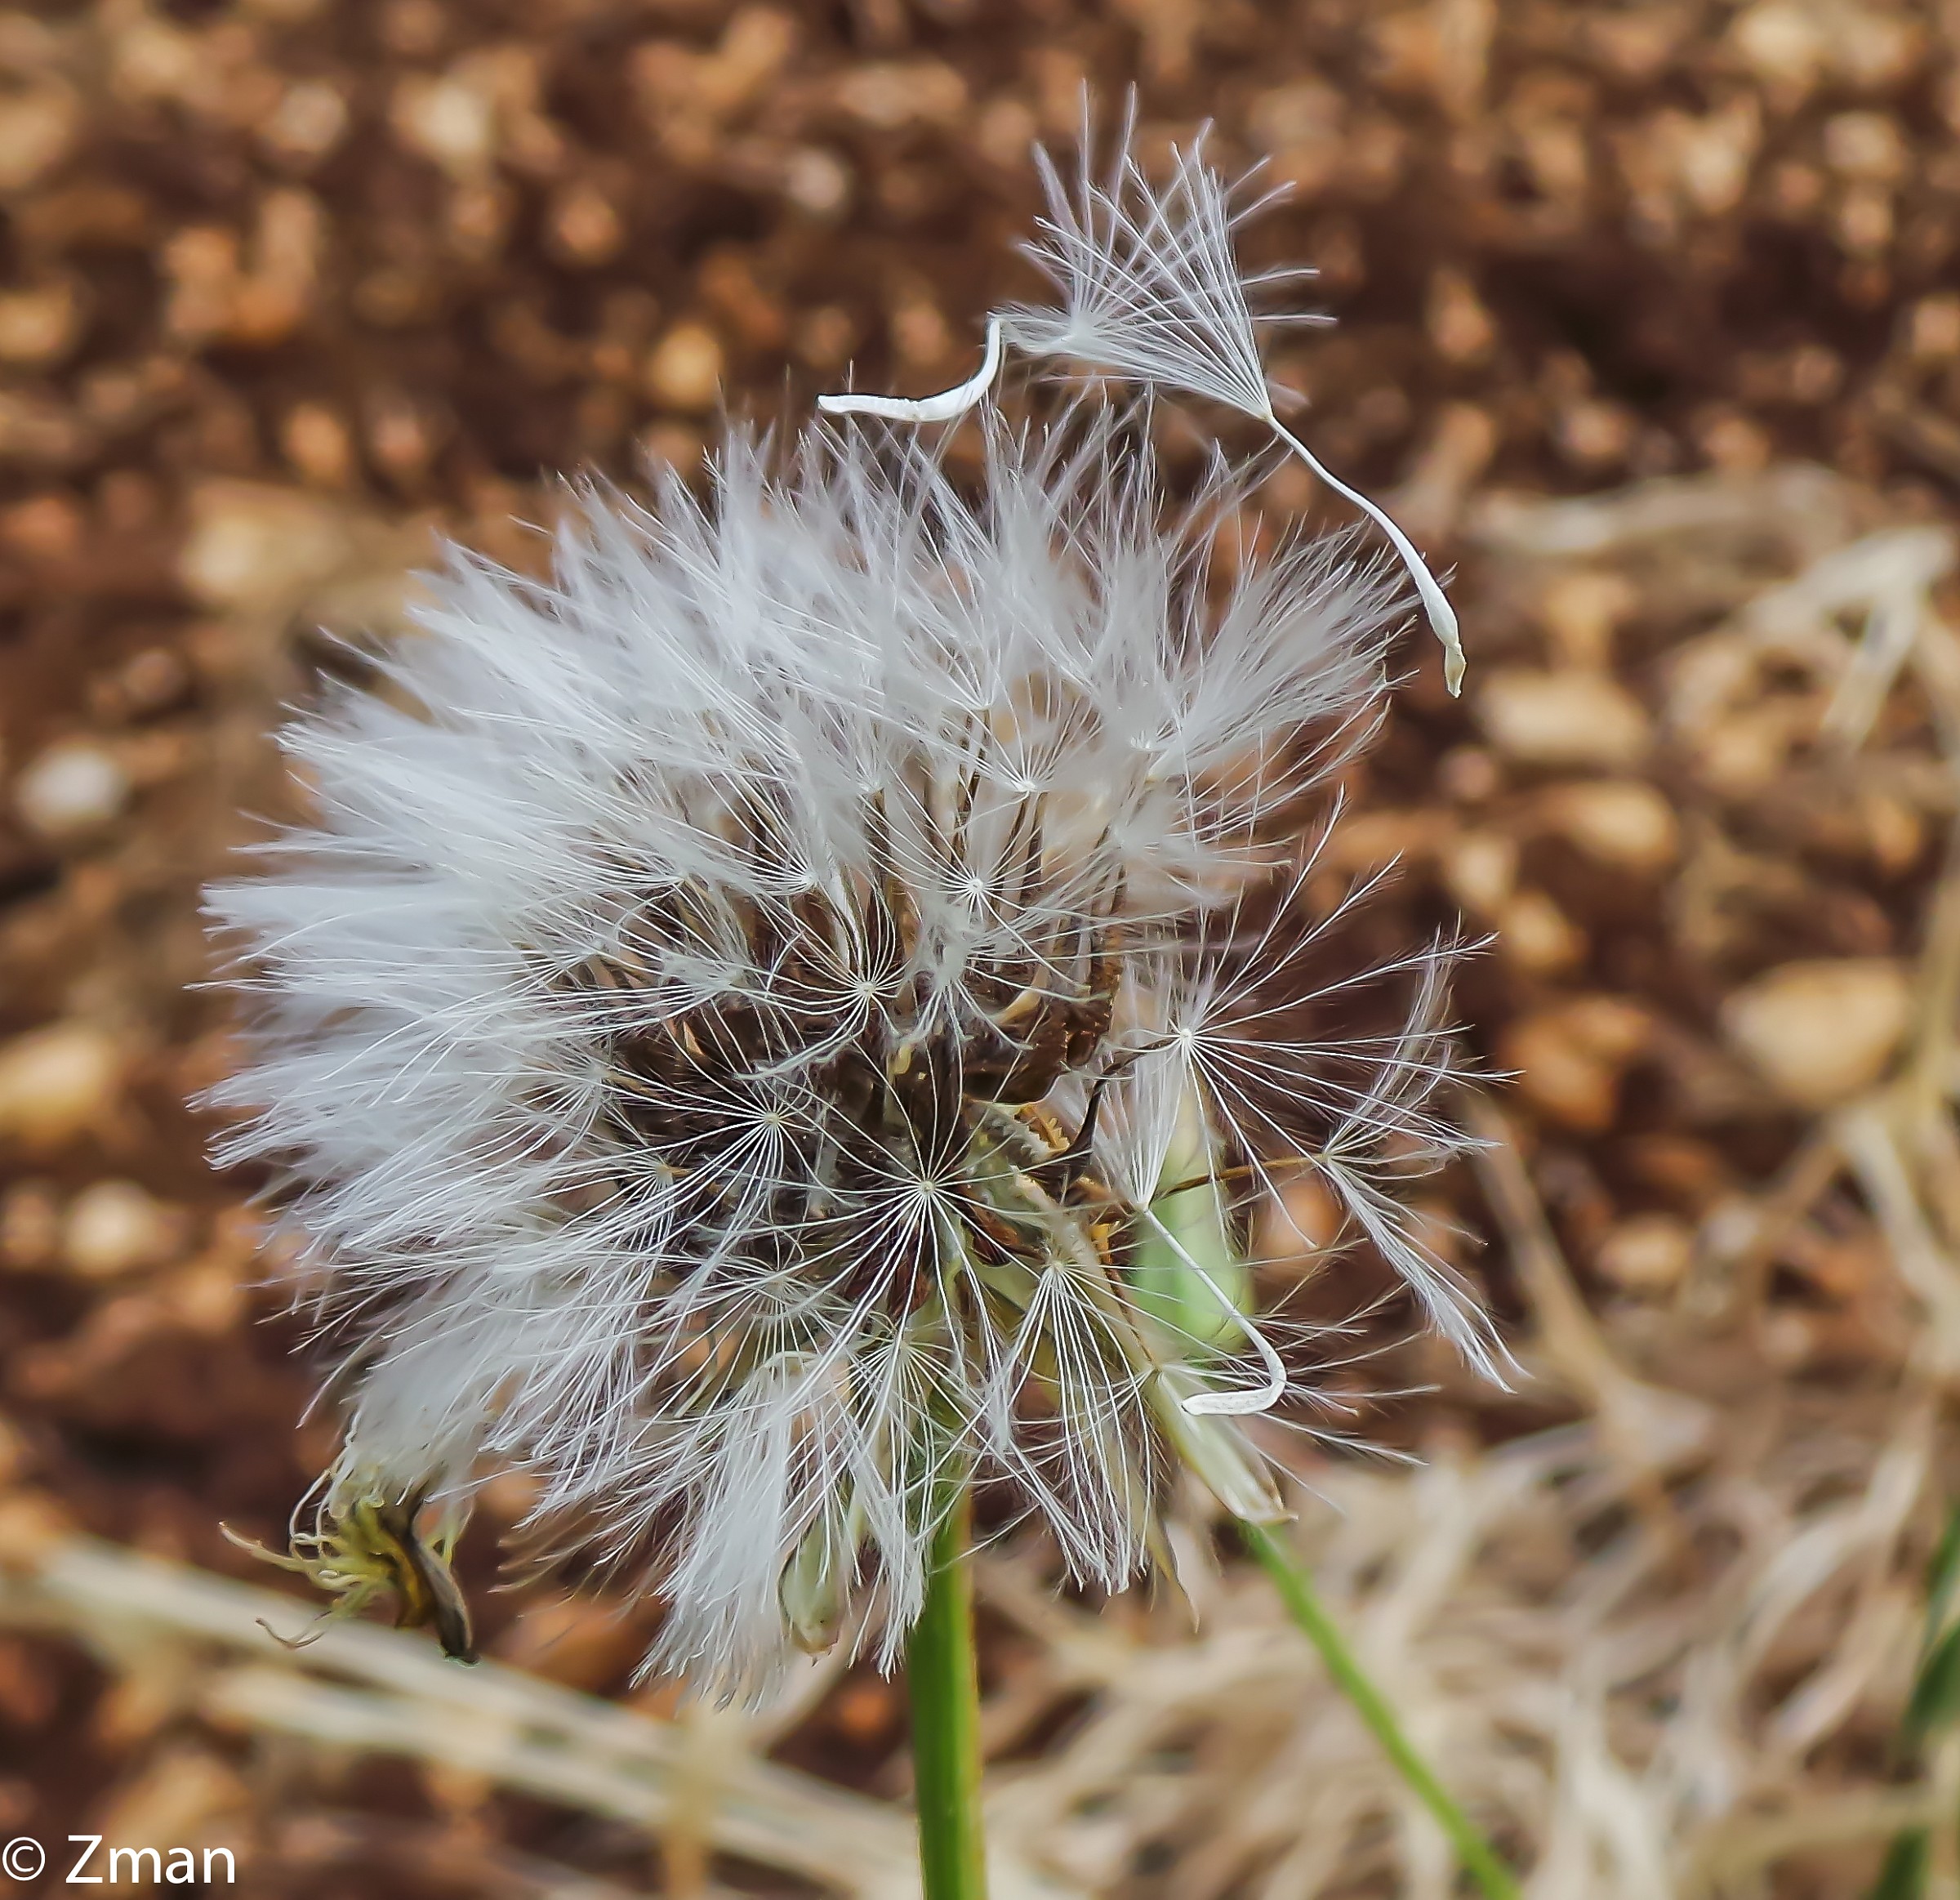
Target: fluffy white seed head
[[786, 1017], [730, 1030]]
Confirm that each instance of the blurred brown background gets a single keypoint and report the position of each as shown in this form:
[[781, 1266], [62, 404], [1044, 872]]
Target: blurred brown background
[[290, 284]]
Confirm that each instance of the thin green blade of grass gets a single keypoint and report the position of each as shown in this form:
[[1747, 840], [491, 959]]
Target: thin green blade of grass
[[1932, 1710], [1179, 1297]]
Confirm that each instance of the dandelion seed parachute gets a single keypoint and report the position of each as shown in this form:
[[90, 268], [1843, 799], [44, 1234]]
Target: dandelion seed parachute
[[1152, 292], [726, 1032]]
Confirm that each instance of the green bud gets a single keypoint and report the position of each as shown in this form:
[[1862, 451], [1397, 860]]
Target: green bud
[[1215, 1447], [815, 1584], [1196, 1226]]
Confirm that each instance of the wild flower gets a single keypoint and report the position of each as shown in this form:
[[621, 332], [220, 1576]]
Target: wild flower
[[756, 1016]]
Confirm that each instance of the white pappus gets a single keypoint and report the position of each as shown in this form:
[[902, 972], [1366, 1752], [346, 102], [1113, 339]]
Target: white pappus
[[739, 1035], [1152, 293]]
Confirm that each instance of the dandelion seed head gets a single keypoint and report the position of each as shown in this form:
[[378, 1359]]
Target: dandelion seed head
[[739, 1026]]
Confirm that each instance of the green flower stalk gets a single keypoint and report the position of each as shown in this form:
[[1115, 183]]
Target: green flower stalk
[[942, 1675]]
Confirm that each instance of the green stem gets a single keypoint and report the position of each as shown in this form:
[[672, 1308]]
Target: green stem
[[1297, 1591], [945, 1689]]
